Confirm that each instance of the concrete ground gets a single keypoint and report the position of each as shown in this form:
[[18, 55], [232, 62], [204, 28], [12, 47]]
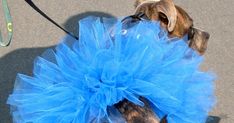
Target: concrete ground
[[33, 34]]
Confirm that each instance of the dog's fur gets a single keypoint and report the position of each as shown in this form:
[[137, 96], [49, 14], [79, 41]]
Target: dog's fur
[[175, 20], [178, 23]]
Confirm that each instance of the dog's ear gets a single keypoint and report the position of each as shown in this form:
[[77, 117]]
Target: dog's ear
[[163, 7], [138, 2]]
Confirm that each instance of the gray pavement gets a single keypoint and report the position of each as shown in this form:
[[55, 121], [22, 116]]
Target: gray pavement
[[33, 34]]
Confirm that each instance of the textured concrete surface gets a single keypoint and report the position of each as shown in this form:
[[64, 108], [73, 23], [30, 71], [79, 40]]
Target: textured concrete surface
[[33, 34]]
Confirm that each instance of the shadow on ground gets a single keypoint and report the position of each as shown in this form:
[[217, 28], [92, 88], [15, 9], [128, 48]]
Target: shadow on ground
[[18, 61], [72, 23], [21, 61]]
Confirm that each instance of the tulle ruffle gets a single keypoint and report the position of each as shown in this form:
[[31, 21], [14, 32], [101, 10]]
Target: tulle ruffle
[[80, 81]]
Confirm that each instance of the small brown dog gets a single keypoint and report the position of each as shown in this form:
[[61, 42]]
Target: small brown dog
[[178, 23], [175, 20]]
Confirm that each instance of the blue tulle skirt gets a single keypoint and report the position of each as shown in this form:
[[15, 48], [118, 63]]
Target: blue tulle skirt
[[81, 80]]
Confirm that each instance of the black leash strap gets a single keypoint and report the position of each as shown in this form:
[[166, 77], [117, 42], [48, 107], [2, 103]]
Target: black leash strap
[[48, 18], [127, 20]]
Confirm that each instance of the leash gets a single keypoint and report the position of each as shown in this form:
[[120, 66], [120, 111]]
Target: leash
[[129, 19], [48, 18], [8, 19]]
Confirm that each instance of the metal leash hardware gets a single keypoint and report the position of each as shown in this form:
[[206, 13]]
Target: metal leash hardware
[[132, 20], [8, 19]]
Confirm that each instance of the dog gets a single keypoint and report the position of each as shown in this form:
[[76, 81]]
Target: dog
[[178, 24]]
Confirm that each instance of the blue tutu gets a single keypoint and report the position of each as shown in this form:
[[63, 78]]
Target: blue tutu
[[80, 81]]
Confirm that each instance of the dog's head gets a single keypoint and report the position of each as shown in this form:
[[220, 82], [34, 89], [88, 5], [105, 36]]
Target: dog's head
[[178, 24], [175, 20]]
